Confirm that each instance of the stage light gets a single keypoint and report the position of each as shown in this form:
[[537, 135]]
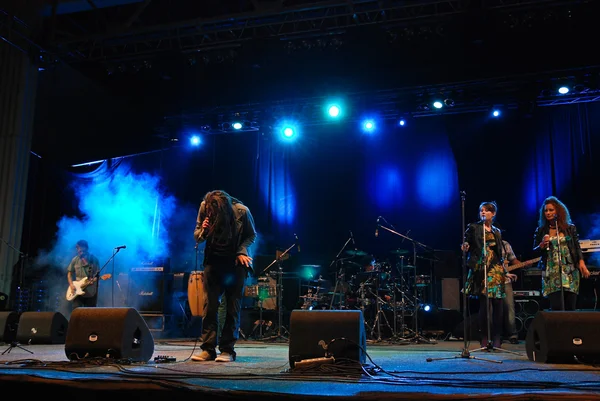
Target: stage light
[[334, 111], [402, 122], [287, 130], [437, 104], [496, 113], [369, 125], [237, 125], [195, 140], [563, 90]]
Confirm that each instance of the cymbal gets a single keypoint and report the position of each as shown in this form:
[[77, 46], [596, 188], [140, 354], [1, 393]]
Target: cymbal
[[355, 252], [400, 252]]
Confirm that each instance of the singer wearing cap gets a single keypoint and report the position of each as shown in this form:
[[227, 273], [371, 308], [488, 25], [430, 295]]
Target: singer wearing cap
[[227, 227], [557, 240]]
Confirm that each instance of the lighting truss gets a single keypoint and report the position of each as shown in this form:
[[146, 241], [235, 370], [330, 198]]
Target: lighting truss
[[77, 37], [468, 97]]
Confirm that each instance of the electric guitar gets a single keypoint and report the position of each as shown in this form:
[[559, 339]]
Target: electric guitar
[[82, 284], [510, 268]]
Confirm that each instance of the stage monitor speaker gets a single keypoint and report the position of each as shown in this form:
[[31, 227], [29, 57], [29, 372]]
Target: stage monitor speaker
[[3, 301], [9, 321], [42, 328], [320, 333], [119, 333], [563, 337]]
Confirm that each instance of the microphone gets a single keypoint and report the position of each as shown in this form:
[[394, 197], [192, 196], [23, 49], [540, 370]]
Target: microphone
[[377, 228], [121, 247], [297, 242]]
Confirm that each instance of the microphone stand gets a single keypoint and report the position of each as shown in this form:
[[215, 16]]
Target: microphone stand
[[417, 337], [341, 272], [22, 257], [465, 354], [278, 260], [560, 267]]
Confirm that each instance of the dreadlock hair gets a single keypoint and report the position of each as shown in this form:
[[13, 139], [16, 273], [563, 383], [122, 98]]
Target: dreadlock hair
[[562, 213], [219, 210]]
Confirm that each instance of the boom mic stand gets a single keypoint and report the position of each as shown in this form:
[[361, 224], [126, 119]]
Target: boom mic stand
[[279, 273], [465, 353], [341, 272], [22, 257], [417, 337]]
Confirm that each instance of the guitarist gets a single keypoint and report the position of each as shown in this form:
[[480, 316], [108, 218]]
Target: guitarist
[[83, 265], [510, 327]]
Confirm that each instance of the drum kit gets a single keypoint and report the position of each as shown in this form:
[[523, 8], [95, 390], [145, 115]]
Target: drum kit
[[378, 288]]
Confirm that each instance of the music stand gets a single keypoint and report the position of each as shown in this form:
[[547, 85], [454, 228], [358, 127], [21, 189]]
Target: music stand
[[417, 337]]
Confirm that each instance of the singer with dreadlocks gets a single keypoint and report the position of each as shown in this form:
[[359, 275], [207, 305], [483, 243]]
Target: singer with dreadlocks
[[227, 227]]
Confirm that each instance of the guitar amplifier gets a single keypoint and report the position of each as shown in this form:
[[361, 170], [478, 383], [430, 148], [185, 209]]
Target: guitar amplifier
[[148, 286]]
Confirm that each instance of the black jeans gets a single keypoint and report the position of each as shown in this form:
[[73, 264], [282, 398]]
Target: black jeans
[[222, 279], [89, 302]]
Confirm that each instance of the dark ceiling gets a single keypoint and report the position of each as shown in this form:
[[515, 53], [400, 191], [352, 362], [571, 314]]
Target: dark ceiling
[[191, 62]]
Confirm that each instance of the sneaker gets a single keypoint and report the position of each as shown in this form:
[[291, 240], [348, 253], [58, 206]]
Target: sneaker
[[203, 356], [225, 357]]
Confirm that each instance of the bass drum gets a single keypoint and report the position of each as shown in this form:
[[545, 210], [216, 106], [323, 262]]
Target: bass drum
[[197, 294]]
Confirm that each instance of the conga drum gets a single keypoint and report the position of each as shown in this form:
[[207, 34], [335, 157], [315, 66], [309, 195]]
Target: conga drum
[[197, 294]]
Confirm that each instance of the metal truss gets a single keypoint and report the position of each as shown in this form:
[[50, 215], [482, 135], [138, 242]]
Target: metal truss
[[505, 93], [283, 19]]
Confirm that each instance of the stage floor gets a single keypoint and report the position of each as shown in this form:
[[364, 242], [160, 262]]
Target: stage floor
[[407, 370]]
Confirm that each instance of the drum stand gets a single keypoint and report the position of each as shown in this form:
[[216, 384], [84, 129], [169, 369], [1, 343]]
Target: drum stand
[[379, 312], [279, 295], [340, 275]]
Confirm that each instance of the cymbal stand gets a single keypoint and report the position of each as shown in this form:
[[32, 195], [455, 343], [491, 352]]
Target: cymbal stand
[[22, 257], [278, 259], [341, 273], [417, 337]]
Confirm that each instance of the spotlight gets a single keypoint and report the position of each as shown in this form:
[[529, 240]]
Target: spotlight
[[195, 140], [449, 102], [496, 113], [402, 122], [237, 125], [369, 125], [563, 90], [334, 111], [288, 132], [437, 104]]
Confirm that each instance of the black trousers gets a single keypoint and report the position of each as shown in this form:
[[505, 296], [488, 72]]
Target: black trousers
[[497, 315], [570, 300], [222, 279]]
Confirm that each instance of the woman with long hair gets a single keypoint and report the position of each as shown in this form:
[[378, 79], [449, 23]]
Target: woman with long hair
[[557, 240]]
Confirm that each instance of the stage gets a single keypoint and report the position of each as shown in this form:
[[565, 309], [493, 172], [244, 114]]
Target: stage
[[393, 370]]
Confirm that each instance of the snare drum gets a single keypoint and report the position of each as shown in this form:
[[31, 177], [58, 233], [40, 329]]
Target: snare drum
[[197, 297], [423, 280]]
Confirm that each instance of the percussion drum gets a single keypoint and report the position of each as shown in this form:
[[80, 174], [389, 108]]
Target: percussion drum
[[197, 294], [423, 280], [267, 292]]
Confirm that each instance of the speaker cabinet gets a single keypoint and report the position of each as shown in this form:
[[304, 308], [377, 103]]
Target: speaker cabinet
[[560, 337], [9, 321], [119, 333], [42, 328], [341, 332]]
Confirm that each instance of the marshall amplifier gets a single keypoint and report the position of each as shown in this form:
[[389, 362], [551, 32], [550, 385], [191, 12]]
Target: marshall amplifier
[[147, 289]]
